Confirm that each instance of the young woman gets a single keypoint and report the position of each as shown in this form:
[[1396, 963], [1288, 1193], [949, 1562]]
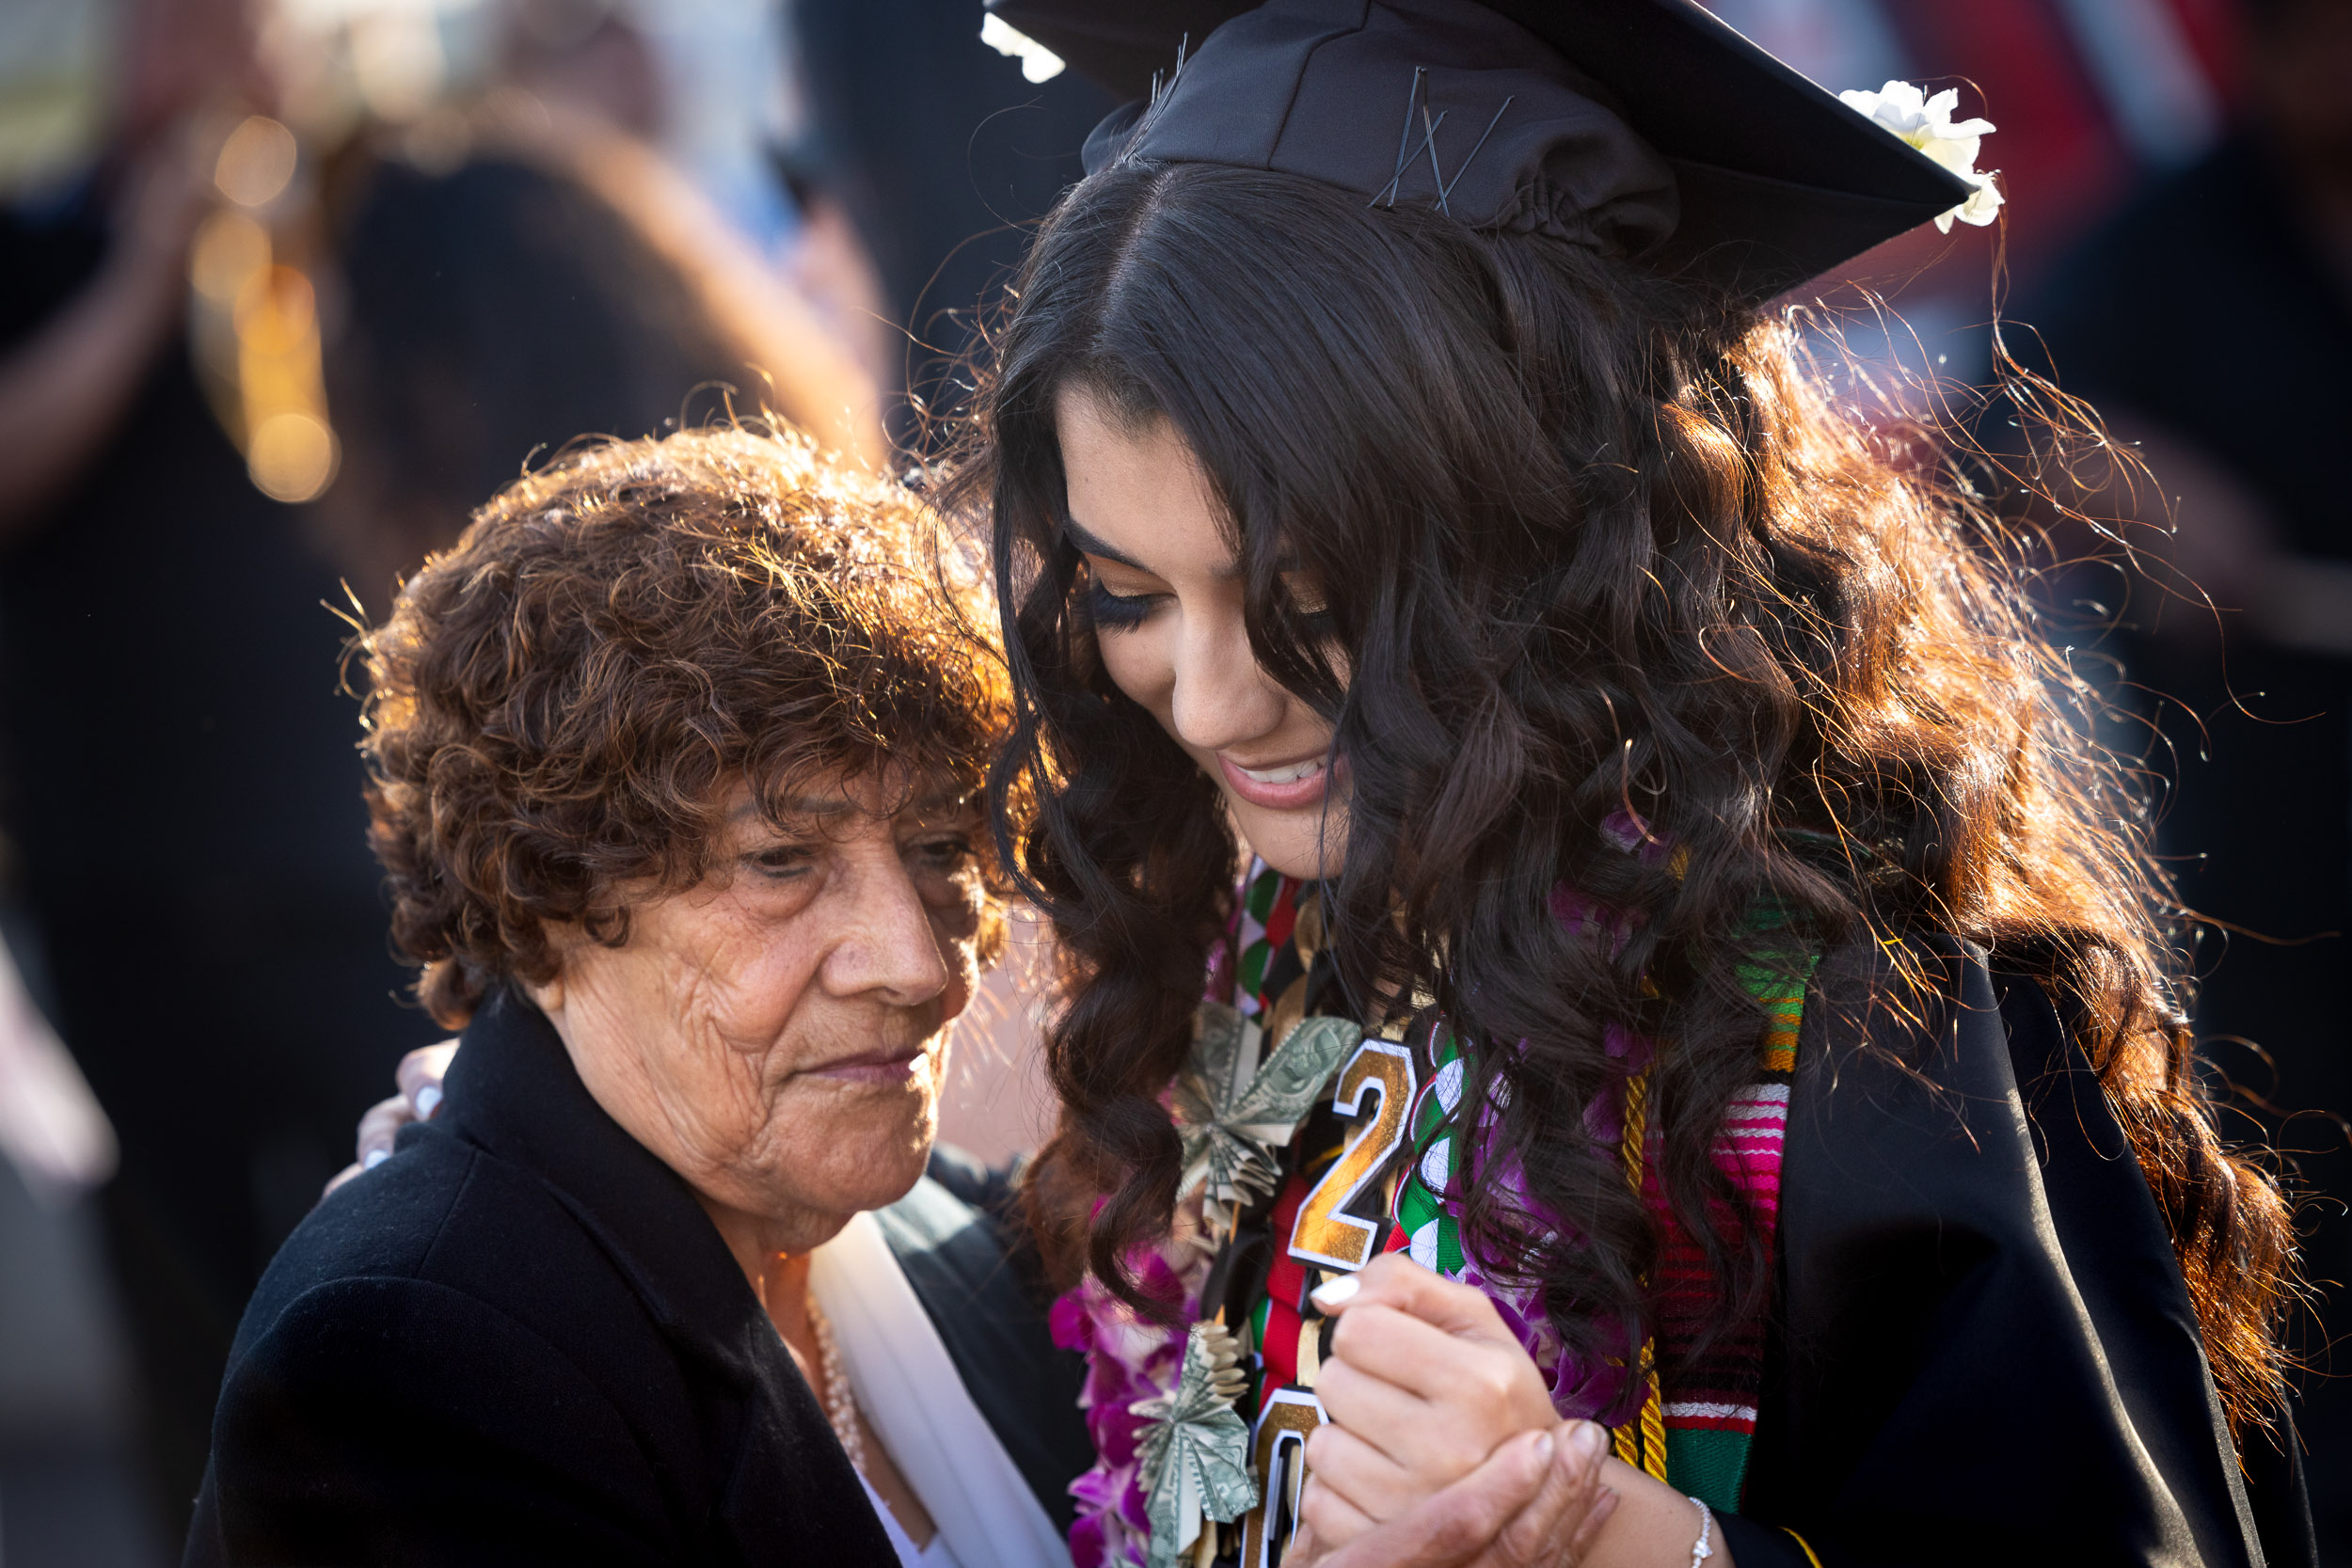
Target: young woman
[[1708, 941]]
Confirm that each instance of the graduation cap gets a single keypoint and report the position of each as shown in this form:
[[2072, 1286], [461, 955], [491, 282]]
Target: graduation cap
[[1644, 128]]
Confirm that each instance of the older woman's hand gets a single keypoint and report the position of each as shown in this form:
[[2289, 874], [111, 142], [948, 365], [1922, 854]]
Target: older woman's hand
[[419, 1079], [1536, 1502]]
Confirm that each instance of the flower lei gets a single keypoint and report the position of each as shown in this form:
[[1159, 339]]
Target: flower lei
[[1130, 1362]]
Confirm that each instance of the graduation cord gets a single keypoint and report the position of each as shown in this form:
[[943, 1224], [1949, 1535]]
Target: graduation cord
[[1642, 1443], [1803, 1545]]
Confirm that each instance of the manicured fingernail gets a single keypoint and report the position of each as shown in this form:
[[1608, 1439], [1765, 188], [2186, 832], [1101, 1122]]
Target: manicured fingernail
[[1589, 1437], [374, 1158], [1335, 1293], [1543, 1449], [428, 1101]]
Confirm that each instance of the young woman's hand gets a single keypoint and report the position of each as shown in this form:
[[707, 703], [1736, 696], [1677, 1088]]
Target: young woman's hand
[[1536, 1502], [418, 1077], [1423, 1382]]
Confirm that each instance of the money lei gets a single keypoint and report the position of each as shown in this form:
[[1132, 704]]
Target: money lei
[[1195, 1458], [1237, 1116]]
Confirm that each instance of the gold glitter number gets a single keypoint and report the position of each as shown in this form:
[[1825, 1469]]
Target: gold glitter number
[[1278, 1455], [1325, 1234]]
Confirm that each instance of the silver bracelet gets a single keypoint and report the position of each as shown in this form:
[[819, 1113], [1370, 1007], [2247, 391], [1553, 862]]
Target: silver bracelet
[[1701, 1551]]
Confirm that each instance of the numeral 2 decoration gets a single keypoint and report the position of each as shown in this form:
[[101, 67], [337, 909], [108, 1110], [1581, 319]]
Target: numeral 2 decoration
[[1325, 1233], [1278, 1455]]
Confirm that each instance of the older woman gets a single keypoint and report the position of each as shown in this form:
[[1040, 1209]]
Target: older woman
[[673, 762]]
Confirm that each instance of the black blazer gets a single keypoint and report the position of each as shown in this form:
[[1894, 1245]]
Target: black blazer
[[520, 1340]]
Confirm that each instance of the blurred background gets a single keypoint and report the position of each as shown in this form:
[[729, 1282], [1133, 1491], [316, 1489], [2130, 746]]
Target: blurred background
[[287, 286]]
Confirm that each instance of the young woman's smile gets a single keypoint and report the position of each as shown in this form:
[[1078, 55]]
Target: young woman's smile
[[1277, 786], [1164, 594]]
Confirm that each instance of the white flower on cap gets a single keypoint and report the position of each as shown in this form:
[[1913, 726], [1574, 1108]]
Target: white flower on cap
[[1038, 63], [1926, 123]]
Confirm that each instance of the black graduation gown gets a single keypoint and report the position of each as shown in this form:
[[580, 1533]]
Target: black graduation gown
[[1983, 1351], [520, 1340]]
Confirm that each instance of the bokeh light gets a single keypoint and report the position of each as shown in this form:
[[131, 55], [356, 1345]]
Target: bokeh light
[[293, 457], [230, 250], [256, 162]]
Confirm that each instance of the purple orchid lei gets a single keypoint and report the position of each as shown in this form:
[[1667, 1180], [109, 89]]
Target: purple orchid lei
[[1594, 1387], [1129, 1359]]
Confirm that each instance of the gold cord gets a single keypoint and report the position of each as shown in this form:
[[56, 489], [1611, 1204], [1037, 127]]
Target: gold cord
[[1803, 1545], [1642, 1443]]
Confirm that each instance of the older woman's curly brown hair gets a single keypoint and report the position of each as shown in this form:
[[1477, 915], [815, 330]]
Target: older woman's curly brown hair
[[561, 705]]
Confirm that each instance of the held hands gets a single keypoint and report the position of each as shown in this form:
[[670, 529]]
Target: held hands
[[1422, 1384], [418, 1077], [1537, 1503], [1432, 1458]]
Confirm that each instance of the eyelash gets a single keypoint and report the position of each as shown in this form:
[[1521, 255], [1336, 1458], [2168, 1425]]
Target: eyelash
[[1117, 611], [786, 862], [781, 862], [1124, 612], [956, 850]]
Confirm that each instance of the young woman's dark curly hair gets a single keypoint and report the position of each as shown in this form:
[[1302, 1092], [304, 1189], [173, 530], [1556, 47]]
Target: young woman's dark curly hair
[[1586, 543], [560, 703]]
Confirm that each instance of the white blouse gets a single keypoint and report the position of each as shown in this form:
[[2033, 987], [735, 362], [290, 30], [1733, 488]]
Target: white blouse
[[909, 1388]]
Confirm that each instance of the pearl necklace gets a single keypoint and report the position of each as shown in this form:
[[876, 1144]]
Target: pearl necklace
[[840, 1404]]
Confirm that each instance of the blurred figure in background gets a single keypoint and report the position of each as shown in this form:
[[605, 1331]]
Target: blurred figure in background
[[527, 269], [179, 785], [921, 161], [2210, 321]]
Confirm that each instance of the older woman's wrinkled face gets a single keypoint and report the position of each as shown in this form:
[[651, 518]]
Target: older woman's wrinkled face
[[778, 1036]]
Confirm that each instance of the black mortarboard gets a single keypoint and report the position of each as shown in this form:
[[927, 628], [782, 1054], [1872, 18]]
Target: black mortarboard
[[1646, 128]]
